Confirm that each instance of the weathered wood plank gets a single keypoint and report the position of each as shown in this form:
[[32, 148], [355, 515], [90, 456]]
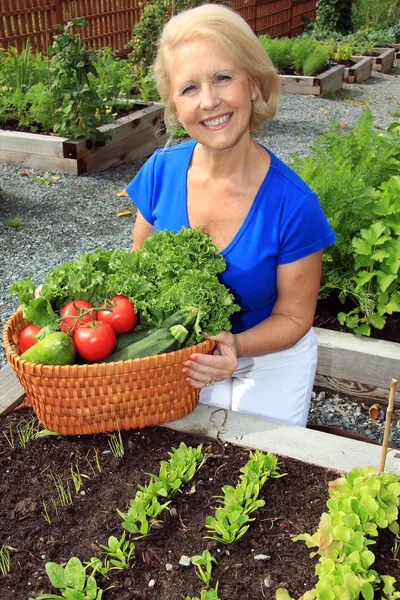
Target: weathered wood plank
[[142, 151], [383, 59], [293, 88], [332, 80], [38, 161], [11, 391], [119, 130], [360, 71], [368, 393], [81, 156], [365, 361], [31, 143]]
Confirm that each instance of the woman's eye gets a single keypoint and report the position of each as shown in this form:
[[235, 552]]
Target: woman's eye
[[189, 88], [223, 78]]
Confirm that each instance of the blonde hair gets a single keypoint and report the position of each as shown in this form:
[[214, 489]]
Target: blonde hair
[[236, 38]]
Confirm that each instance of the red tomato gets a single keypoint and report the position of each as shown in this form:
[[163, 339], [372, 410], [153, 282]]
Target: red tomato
[[26, 340], [71, 309], [95, 341], [122, 318]]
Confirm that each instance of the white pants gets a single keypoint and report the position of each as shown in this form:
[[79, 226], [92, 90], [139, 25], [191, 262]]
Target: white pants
[[277, 386]]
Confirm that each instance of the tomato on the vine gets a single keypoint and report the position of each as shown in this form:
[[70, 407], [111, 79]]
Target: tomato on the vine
[[121, 317], [26, 339], [71, 310], [95, 341]]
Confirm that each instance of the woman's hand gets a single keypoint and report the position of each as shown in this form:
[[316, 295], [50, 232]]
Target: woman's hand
[[204, 369]]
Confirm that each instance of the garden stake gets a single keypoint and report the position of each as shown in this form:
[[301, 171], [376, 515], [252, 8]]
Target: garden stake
[[389, 413]]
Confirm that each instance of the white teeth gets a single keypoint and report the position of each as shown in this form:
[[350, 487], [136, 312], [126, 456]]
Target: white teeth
[[218, 121]]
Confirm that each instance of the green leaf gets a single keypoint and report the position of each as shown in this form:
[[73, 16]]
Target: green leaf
[[75, 575], [367, 591], [361, 246], [364, 277], [56, 574], [71, 594], [377, 321], [385, 279], [363, 329]]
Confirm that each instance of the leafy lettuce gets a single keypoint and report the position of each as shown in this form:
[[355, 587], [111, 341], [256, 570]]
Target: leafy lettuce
[[169, 271]]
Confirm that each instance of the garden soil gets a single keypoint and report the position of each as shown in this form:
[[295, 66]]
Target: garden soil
[[293, 504]]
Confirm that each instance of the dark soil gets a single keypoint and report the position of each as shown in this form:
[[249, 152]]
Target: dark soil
[[326, 318], [294, 504]]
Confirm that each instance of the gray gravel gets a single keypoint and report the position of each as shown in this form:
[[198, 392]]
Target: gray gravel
[[76, 214]]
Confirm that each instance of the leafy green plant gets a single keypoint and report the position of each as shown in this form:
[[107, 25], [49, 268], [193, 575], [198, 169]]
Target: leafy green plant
[[344, 169], [145, 507], [232, 519], [211, 594], [79, 105], [377, 261], [120, 552], [63, 490], [334, 15], [73, 582], [45, 513], [315, 61], [76, 478], [26, 431], [5, 560], [358, 506], [368, 13], [116, 444], [44, 179], [14, 222], [186, 275], [204, 563], [279, 51]]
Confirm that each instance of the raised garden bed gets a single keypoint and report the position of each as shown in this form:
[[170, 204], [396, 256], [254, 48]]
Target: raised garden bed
[[293, 504], [396, 55], [383, 59], [132, 137], [357, 366], [329, 81], [360, 71]]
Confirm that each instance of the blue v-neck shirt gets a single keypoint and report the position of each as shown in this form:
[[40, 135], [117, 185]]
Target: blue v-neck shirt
[[284, 223]]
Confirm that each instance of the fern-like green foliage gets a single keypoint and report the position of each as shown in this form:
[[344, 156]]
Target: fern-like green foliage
[[344, 169], [279, 51], [316, 60]]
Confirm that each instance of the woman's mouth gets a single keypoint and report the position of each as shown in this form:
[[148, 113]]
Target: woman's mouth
[[217, 122]]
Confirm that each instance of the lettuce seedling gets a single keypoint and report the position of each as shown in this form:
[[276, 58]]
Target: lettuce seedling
[[73, 582]]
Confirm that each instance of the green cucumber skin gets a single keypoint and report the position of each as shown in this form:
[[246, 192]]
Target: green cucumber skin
[[158, 342], [126, 339], [184, 316], [57, 348]]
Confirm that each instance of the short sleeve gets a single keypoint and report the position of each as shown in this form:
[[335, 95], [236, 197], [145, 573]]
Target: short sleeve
[[304, 231], [141, 188]]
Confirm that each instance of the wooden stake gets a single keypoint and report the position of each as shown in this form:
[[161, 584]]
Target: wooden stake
[[389, 413]]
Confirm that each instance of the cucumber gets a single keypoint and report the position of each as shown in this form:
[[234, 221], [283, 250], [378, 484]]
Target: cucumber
[[185, 316], [57, 348], [161, 340], [126, 339]]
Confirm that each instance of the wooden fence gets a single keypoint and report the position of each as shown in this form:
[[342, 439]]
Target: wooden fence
[[110, 22]]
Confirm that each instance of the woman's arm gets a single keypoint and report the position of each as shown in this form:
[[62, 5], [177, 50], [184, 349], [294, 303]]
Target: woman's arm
[[141, 230], [293, 314], [292, 317]]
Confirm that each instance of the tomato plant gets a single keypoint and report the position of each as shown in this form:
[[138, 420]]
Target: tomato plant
[[95, 341], [26, 339], [121, 317], [70, 311]]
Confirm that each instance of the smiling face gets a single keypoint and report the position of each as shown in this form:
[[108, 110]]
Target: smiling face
[[211, 94]]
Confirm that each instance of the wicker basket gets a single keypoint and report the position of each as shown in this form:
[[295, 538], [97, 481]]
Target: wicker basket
[[91, 398]]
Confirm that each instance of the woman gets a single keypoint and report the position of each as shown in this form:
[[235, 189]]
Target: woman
[[216, 79]]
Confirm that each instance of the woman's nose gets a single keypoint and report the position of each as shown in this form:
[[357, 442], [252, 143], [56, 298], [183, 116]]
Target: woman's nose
[[208, 97]]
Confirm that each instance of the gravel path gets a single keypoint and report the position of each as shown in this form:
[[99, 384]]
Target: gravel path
[[70, 215]]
